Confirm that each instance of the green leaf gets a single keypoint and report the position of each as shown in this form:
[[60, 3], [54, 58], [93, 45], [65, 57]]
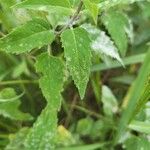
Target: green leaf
[[92, 8], [59, 16], [42, 135], [101, 43], [51, 83], [77, 49], [139, 126], [17, 140], [7, 16], [43, 3], [9, 105], [82, 123], [116, 24], [31, 35], [110, 104], [145, 97], [107, 3], [58, 11], [137, 143], [133, 96], [64, 137], [20, 69]]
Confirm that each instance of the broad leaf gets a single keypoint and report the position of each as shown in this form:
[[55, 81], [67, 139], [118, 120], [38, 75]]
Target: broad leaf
[[27, 37], [101, 43], [92, 8], [116, 23], [58, 11], [9, 105], [77, 49], [51, 83], [42, 135], [43, 3]]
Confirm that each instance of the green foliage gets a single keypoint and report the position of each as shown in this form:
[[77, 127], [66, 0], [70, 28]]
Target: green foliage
[[113, 19], [92, 8], [21, 39], [32, 3], [134, 95], [9, 105], [77, 50], [110, 105], [101, 43], [17, 140], [51, 86], [61, 42]]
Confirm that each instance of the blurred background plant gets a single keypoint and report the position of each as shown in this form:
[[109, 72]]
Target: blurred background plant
[[115, 113]]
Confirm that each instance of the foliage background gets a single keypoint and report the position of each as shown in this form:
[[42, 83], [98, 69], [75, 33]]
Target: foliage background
[[115, 112]]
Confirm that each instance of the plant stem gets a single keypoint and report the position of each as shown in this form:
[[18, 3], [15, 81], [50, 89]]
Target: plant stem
[[74, 17], [18, 82]]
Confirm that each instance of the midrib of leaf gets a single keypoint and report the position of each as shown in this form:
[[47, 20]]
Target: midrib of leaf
[[76, 48]]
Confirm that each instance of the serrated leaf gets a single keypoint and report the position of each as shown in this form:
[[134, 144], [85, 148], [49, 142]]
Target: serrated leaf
[[9, 105], [51, 83], [92, 8], [77, 51], [116, 24], [101, 43], [58, 11], [42, 135], [31, 35], [43, 3]]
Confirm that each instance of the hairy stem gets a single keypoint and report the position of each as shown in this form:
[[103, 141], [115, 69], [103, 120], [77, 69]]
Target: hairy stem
[[73, 18]]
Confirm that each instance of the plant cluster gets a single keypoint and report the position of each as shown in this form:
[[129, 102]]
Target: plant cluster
[[74, 74]]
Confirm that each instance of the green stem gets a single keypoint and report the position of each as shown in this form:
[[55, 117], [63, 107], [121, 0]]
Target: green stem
[[18, 82]]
